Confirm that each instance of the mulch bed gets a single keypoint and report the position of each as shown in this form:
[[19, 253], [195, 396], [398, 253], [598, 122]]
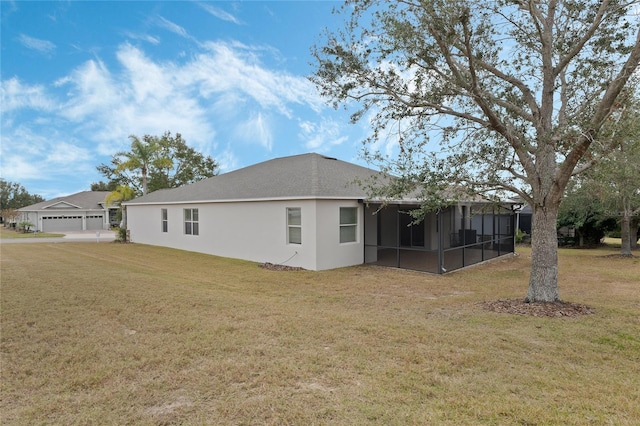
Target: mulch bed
[[274, 267], [539, 309]]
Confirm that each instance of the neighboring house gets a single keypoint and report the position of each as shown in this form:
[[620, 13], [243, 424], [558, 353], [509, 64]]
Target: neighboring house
[[309, 211], [524, 216], [82, 211]]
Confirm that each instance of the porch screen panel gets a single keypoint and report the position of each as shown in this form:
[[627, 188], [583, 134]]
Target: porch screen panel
[[452, 259], [418, 260]]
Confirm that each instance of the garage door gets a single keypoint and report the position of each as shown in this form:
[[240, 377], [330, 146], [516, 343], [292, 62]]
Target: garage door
[[61, 223], [95, 222]]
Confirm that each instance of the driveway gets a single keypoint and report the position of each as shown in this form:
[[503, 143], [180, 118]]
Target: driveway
[[69, 237]]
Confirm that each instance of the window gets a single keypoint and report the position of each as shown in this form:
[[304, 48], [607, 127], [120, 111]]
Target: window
[[348, 224], [294, 225], [191, 221], [165, 220]]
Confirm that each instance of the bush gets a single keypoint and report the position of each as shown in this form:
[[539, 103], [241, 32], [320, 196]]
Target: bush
[[25, 226], [121, 235], [522, 237]]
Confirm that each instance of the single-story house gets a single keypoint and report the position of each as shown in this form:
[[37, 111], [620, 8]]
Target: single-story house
[[83, 211], [309, 211]]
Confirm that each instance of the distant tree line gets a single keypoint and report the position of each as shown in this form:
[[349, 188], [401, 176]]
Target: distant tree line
[[12, 197]]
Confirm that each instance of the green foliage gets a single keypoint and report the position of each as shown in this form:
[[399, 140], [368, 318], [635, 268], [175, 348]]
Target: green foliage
[[120, 195], [104, 186], [121, 235], [156, 163], [15, 196], [521, 236], [585, 213], [613, 179], [25, 226]]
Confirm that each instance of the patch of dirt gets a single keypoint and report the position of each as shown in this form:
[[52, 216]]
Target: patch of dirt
[[538, 309], [169, 407], [274, 267], [618, 256]]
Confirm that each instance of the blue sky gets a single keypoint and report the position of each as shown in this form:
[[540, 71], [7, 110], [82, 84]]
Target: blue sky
[[79, 77]]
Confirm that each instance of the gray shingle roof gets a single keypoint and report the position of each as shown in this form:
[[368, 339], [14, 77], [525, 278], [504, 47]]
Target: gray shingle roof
[[299, 176], [85, 200]]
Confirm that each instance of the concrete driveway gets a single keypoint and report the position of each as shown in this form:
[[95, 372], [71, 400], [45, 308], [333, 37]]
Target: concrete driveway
[[69, 237]]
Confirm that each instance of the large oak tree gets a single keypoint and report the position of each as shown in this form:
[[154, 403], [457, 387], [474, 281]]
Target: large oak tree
[[507, 95]]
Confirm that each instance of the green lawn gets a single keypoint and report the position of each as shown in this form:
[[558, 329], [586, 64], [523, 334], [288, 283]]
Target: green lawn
[[133, 334], [6, 233]]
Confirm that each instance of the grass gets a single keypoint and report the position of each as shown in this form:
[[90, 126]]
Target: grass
[[6, 233], [134, 334]]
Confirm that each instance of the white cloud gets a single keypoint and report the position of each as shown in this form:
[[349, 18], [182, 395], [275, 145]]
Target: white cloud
[[321, 136], [42, 156], [172, 27], [219, 13], [227, 160], [143, 37], [42, 46], [227, 67], [256, 129], [16, 95], [147, 79], [18, 168], [225, 91]]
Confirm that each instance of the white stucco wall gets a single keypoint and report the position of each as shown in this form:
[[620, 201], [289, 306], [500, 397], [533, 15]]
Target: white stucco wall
[[255, 231], [331, 253]]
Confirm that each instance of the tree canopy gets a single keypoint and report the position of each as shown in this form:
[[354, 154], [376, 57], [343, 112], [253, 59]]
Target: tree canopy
[[155, 163], [615, 179], [487, 95], [14, 196], [585, 213]]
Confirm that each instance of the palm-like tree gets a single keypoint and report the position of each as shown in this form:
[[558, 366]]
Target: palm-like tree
[[117, 197], [139, 158]]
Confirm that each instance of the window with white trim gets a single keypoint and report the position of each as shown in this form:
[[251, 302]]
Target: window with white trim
[[191, 222], [294, 225], [164, 219], [348, 224]]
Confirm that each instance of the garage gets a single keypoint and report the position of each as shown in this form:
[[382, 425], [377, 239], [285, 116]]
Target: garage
[[83, 211], [61, 223], [95, 222]]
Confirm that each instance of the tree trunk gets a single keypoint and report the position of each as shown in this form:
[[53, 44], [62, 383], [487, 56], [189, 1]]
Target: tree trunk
[[625, 234], [124, 217], [543, 282]]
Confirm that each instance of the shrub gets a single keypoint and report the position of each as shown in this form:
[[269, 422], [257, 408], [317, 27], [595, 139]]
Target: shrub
[[521, 237], [25, 226], [121, 235]]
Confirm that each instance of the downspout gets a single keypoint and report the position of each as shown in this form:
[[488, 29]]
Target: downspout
[[364, 232], [439, 231], [397, 236]]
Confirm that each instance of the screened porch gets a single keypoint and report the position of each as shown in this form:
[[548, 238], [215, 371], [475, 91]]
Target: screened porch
[[456, 237]]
